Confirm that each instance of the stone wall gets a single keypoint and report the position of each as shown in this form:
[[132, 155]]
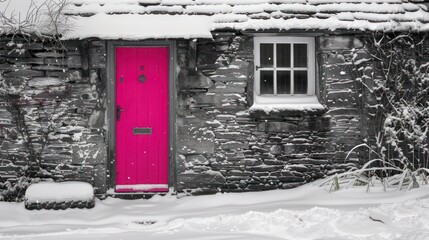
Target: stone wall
[[222, 146], [67, 83]]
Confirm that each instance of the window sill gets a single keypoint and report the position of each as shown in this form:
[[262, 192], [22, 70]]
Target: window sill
[[290, 105]]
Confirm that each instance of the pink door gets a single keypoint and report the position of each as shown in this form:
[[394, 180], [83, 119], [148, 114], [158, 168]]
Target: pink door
[[142, 119]]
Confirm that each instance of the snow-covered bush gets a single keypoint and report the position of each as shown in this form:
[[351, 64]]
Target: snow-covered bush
[[15, 191], [393, 73], [42, 18], [388, 173], [398, 105], [396, 96]]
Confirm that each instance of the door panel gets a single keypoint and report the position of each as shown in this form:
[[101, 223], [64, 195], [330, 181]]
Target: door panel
[[142, 119]]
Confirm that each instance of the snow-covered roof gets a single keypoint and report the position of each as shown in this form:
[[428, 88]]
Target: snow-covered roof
[[136, 27], [157, 19], [365, 15]]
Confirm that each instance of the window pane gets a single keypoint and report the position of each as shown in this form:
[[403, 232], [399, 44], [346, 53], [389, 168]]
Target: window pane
[[300, 55], [267, 82], [300, 82], [267, 51], [283, 55], [283, 82]]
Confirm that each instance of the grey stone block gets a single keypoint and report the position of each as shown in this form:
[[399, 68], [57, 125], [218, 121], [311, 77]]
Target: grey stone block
[[204, 179], [97, 58], [94, 138], [197, 160], [49, 55], [339, 42], [44, 81], [225, 117], [292, 185], [24, 73], [25, 61], [277, 127], [91, 154], [230, 135], [238, 173], [234, 145], [97, 119], [298, 168], [250, 162], [100, 178], [194, 140], [261, 187], [197, 81], [276, 149], [48, 68], [227, 88]]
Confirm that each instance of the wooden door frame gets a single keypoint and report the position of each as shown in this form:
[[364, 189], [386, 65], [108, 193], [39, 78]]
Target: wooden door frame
[[111, 106]]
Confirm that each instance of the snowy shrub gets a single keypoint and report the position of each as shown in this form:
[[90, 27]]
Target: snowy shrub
[[389, 173], [15, 191], [42, 18], [398, 96], [394, 78], [396, 85]]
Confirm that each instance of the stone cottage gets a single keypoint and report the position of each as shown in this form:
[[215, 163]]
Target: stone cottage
[[197, 96]]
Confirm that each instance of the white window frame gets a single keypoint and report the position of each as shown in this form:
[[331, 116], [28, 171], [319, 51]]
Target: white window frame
[[311, 68]]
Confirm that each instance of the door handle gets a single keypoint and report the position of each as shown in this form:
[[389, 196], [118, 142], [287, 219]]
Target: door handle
[[257, 68], [118, 112]]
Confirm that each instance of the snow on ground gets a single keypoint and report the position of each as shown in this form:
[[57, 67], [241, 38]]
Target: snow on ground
[[307, 212]]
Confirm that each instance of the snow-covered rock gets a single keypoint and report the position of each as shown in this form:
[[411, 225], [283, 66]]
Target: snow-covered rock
[[39, 195]]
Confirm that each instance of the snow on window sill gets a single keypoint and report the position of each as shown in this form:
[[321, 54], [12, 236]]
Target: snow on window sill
[[270, 105]]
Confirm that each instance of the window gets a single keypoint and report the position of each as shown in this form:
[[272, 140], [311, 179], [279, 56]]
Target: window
[[284, 70]]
